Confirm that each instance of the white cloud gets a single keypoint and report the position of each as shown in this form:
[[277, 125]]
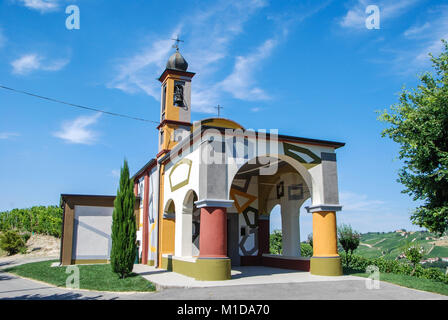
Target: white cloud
[[40, 5], [240, 82], [33, 62], [26, 64], [133, 72], [203, 50], [77, 131], [430, 38], [8, 135], [419, 40], [416, 30], [365, 214], [358, 202], [209, 33], [355, 17], [115, 173]]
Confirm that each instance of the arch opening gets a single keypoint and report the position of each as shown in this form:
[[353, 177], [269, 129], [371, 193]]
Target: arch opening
[[188, 227], [256, 196]]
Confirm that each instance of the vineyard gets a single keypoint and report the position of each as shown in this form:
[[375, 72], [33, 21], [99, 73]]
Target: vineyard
[[39, 219]]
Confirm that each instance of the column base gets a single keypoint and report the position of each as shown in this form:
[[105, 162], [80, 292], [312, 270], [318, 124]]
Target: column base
[[326, 266], [211, 269], [205, 269]]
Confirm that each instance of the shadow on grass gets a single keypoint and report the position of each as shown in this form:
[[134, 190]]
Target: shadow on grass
[[56, 296], [347, 271]]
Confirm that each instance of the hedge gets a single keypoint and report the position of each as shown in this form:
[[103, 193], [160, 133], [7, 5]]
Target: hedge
[[357, 262], [38, 219]]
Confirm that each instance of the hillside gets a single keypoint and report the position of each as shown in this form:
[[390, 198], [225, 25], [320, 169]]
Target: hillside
[[388, 245]]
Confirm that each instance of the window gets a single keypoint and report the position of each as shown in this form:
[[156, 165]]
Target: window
[[163, 101], [161, 137]]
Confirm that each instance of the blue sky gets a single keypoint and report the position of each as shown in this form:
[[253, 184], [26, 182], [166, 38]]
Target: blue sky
[[309, 68]]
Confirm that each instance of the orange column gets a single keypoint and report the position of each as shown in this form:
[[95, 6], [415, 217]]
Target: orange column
[[213, 233], [145, 220], [325, 241]]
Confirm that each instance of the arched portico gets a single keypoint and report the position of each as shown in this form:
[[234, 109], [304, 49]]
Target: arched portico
[[255, 195], [289, 185]]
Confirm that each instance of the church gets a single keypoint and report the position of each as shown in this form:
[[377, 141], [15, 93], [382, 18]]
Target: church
[[204, 200]]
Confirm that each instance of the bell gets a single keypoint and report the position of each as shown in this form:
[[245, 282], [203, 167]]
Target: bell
[[178, 95], [178, 100]]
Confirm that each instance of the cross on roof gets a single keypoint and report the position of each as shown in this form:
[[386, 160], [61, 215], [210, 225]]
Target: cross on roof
[[219, 109], [176, 45]]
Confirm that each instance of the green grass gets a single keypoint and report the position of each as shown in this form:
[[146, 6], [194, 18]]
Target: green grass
[[97, 277], [406, 281]]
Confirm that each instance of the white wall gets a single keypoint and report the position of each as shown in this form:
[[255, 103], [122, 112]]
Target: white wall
[[92, 232]]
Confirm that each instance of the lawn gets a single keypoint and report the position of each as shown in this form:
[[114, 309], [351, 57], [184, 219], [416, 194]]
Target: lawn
[[93, 277], [406, 281]]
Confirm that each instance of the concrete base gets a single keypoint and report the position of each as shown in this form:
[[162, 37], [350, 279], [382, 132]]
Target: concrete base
[[326, 266], [200, 269]]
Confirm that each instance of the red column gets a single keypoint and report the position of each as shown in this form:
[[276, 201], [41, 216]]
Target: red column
[[145, 220], [213, 233]]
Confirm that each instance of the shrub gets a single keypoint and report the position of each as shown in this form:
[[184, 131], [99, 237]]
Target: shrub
[[12, 242], [275, 242], [306, 250], [393, 266]]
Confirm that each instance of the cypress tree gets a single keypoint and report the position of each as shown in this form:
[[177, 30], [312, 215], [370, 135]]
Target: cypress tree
[[124, 235]]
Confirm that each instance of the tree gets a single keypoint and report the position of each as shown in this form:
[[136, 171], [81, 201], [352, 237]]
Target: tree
[[348, 239], [414, 254], [124, 245], [310, 239], [419, 123]]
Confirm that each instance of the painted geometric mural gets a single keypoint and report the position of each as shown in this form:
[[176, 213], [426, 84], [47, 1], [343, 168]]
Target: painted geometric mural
[[302, 155], [245, 204]]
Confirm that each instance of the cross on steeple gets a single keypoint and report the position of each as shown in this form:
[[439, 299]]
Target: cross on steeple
[[176, 45], [219, 109]]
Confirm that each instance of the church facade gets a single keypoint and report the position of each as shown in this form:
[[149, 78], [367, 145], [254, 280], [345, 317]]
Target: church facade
[[206, 197]]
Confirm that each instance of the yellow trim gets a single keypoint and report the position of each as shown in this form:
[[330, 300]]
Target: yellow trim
[[218, 122], [161, 208], [90, 261], [185, 181], [200, 269], [330, 266], [151, 247]]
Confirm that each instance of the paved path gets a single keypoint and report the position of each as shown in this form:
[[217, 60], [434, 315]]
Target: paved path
[[250, 275], [303, 287]]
